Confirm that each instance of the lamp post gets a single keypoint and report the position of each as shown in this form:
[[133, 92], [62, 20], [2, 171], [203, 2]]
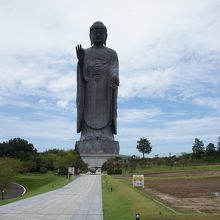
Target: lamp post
[[137, 216], [3, 194]]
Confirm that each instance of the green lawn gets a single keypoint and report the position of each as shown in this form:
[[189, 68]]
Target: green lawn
[[124, 202], [37, 184]]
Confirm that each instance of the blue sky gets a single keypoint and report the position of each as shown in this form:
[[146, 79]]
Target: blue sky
[[169, 54]]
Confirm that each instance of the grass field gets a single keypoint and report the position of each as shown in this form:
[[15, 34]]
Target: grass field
[[37, 184], [189, 189], [124, 202], [162, 168]]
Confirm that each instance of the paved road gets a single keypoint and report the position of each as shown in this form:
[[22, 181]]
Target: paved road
[[79, 200]]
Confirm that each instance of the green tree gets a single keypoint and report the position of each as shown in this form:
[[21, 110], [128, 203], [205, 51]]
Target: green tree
[[29, 166], [184, 159], [17, 148], [9, 167], [108, 166], [113, 165], [132, 161], [48, 159], [59, 159], [144, 146], [198, 148], [210, 149]]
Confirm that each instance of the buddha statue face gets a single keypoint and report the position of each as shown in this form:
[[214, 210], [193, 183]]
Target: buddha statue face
[[98, 37], [98, 34]]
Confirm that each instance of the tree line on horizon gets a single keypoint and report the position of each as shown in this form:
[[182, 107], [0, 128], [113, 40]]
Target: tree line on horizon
[[19, 156], [199, 155], [198, 149]]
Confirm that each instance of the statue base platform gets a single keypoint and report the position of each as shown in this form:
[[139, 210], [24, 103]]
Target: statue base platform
[[96, 160], [96, 152]]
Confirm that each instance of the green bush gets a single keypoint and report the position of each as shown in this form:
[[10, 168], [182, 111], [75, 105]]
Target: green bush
[[62, 170], [114, 172], [9, 167], [110, 172], [118, 171], [43, 170], [29, 166]]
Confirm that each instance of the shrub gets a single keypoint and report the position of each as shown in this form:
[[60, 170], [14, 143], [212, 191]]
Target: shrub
[[62, 170], [118, 171], [114, 172], [43, 170], [110, 172]]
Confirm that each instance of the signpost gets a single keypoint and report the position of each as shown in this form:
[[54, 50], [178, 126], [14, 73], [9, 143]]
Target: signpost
[[138, 181], [71, 171]]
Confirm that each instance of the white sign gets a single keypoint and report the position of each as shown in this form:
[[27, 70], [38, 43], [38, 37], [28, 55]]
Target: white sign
[[138, 181], [71, 170]]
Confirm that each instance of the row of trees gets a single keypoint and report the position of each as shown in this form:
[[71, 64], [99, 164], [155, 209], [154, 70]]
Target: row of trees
[[200, 154], [118, 165], [200, 151], [33, 161], [18, 148], [18, 155], [198, 148]]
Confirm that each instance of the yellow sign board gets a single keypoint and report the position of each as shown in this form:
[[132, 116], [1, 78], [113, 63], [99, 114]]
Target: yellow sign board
[[138, 181]]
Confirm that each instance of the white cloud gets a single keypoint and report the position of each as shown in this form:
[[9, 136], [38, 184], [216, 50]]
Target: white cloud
[[202, 127], [146, 83], [45, 77], [185, 129], [51, 127], [42, 101], [167, 49], [64, 85], [62, 103], [174, 136], [163, 35], [57, 25], [208, 101], [137, 115]]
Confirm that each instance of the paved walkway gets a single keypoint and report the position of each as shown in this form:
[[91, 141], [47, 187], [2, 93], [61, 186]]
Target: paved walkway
[[79, 200]]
